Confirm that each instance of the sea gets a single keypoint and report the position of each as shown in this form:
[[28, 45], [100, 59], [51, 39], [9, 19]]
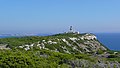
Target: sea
[[110, 40]]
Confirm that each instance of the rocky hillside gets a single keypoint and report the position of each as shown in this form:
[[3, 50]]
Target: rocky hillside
[[67, 50], [69, 43]]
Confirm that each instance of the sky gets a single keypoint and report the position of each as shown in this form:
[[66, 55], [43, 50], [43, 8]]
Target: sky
[[53, 16]]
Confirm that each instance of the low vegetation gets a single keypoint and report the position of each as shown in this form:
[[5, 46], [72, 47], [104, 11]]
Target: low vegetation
[[17, 58]]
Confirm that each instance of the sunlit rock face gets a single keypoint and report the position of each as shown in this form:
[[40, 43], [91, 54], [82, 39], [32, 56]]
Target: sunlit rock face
[[89, 37]]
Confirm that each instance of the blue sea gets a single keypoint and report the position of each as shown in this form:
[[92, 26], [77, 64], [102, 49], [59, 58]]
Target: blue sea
[[110, 40]]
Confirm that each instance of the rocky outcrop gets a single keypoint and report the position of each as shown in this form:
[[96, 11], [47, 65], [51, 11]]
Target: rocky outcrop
[[87, 64], [4, 46]]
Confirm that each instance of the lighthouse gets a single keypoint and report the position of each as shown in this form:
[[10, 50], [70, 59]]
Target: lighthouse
[[72, 31]]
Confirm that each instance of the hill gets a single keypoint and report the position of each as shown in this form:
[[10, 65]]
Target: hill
[[61, 50]]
